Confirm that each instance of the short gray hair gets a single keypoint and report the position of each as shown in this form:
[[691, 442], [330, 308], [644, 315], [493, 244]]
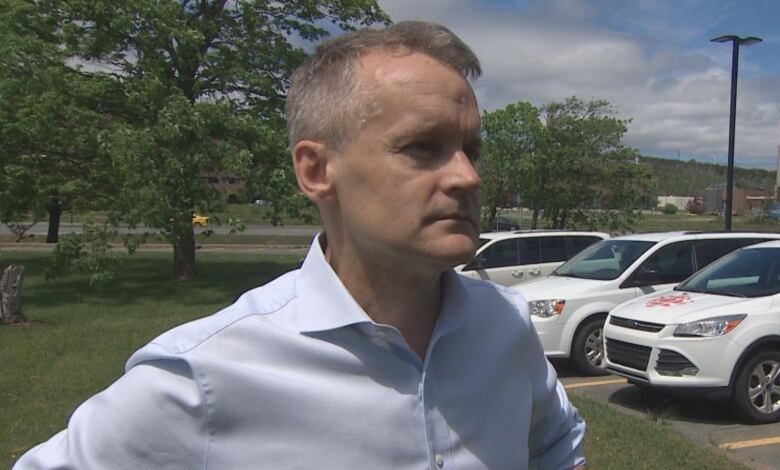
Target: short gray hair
[[325, 102]]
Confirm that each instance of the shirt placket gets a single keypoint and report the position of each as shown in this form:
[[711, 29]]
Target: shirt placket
[[436, 431]]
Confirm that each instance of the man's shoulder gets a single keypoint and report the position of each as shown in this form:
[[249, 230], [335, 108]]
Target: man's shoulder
[[265, 300]]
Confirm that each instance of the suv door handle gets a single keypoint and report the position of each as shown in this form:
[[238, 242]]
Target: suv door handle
[[535, 272], [517, 273]]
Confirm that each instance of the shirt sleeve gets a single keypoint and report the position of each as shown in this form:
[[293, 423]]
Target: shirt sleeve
[[557, 430], [152, 417]]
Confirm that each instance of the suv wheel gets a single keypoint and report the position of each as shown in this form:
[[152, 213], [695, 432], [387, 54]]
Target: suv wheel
[[757, 388], [588, 347]]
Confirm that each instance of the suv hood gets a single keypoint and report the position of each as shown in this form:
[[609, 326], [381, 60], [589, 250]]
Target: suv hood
[[559, 287], [672, 307]]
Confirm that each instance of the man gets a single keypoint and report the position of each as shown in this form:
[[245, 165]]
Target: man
[[374, 354]]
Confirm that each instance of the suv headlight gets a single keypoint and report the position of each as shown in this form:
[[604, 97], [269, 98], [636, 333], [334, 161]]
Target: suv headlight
[[546, 308], [709, 327]]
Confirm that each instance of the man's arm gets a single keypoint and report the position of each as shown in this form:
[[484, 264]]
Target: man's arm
[[557, 430], [152, 417]]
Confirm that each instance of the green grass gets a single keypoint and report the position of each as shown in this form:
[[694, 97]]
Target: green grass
[[659, 222], [619, 441], [79, 338]]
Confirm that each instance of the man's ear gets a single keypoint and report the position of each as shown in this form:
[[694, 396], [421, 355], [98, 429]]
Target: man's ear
[[311, 163]]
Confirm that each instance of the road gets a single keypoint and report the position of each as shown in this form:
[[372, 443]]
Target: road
[[708, 424], [287, 230]]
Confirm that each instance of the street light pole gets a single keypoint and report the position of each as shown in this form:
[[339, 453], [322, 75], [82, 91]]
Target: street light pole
[[736, 42]]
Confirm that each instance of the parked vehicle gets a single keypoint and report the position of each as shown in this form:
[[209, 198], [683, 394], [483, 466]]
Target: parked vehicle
[[569, 307], [504, 224], [509, 258], [717, 333], [773, 212], [199, 220]]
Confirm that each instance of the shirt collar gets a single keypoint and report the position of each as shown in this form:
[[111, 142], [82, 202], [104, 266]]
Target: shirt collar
[[325, 304]]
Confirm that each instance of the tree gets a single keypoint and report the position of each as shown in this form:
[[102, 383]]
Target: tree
[[199, 88], [511, 136], [48, 137], [595, 181], [566, 161]]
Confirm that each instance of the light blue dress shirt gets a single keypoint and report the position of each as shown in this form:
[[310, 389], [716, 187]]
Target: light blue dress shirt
[[295, 375]]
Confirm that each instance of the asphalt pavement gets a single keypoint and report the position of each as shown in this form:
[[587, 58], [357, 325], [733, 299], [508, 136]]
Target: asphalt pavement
[[710, 424]]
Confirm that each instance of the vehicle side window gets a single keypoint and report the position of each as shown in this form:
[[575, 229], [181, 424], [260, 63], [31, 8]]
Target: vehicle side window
[[708, 251], [672, 263], [529, 250], [553, 249], [500, 254], [575, 244]]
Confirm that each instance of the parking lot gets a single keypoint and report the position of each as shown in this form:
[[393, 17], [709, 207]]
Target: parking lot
[[709, 424]]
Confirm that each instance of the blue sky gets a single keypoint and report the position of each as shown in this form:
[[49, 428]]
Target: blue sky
[[653, 60]]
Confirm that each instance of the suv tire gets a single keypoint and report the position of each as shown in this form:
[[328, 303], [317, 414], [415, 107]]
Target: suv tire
[[588, 347], [756, 395]]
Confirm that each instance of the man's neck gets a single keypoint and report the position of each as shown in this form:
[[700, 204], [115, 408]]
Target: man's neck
[[392, 294]]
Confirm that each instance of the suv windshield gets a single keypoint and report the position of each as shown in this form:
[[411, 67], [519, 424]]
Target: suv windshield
[[605, 260], [743, 273]]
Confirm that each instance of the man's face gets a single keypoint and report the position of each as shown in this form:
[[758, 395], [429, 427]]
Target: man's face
[[406, 183]]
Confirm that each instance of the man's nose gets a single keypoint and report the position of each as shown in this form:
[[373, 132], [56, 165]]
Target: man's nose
[[461, 173]]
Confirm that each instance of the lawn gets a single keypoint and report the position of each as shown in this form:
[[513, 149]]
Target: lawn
[[79, 338]]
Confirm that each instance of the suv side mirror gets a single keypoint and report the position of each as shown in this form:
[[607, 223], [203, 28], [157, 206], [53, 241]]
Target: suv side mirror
[[475, 264]]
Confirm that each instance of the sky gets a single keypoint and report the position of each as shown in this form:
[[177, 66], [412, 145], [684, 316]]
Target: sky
[[652, 60]]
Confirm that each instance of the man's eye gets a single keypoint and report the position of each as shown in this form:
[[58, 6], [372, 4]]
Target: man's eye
[[426, 147]]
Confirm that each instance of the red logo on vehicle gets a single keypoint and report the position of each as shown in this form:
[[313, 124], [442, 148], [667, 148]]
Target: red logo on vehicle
[[669, 300]]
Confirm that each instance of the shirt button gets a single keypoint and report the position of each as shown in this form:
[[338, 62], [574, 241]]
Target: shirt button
[[439, 460]]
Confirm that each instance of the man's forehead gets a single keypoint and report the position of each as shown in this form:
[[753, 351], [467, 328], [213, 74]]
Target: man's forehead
[[400, 68]]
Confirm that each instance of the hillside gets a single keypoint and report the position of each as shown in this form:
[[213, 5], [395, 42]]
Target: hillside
[[673, 177]]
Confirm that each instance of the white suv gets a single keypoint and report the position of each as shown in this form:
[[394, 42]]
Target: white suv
[[509, 258], [717, 333], [568, 308]]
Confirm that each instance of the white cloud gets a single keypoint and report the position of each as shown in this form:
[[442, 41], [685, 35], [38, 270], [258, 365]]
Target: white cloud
[[677, 96]]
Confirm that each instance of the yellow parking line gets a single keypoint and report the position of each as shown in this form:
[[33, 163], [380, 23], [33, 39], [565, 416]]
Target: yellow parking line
[[595, 383], [751, 443]]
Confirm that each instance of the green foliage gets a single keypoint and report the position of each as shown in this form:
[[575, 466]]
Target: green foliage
[[50, 160], [670, 209], [88, 252], [566, 161], [686, 178], [510, 138], [168, 92]]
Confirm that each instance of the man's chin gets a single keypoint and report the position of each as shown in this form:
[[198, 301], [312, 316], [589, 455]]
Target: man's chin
[[454, 250]]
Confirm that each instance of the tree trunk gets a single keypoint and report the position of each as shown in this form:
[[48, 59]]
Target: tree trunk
[[11, 294], [184, 255], [55, 212], [492, 213], [563, 219], [535, 218]]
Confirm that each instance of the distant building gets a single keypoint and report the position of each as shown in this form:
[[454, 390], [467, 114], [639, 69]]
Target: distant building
[[744, 201], [230, 186], [681, 202]]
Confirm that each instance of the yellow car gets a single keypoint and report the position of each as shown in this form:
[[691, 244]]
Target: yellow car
[[200, 220]]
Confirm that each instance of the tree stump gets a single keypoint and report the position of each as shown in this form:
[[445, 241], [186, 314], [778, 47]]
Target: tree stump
[[11, 294]]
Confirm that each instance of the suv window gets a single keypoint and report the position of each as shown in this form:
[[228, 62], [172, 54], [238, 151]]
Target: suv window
[[575, 244], [553, 249], [500, 254], [529, 250], [672, 263], [708, 251]]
